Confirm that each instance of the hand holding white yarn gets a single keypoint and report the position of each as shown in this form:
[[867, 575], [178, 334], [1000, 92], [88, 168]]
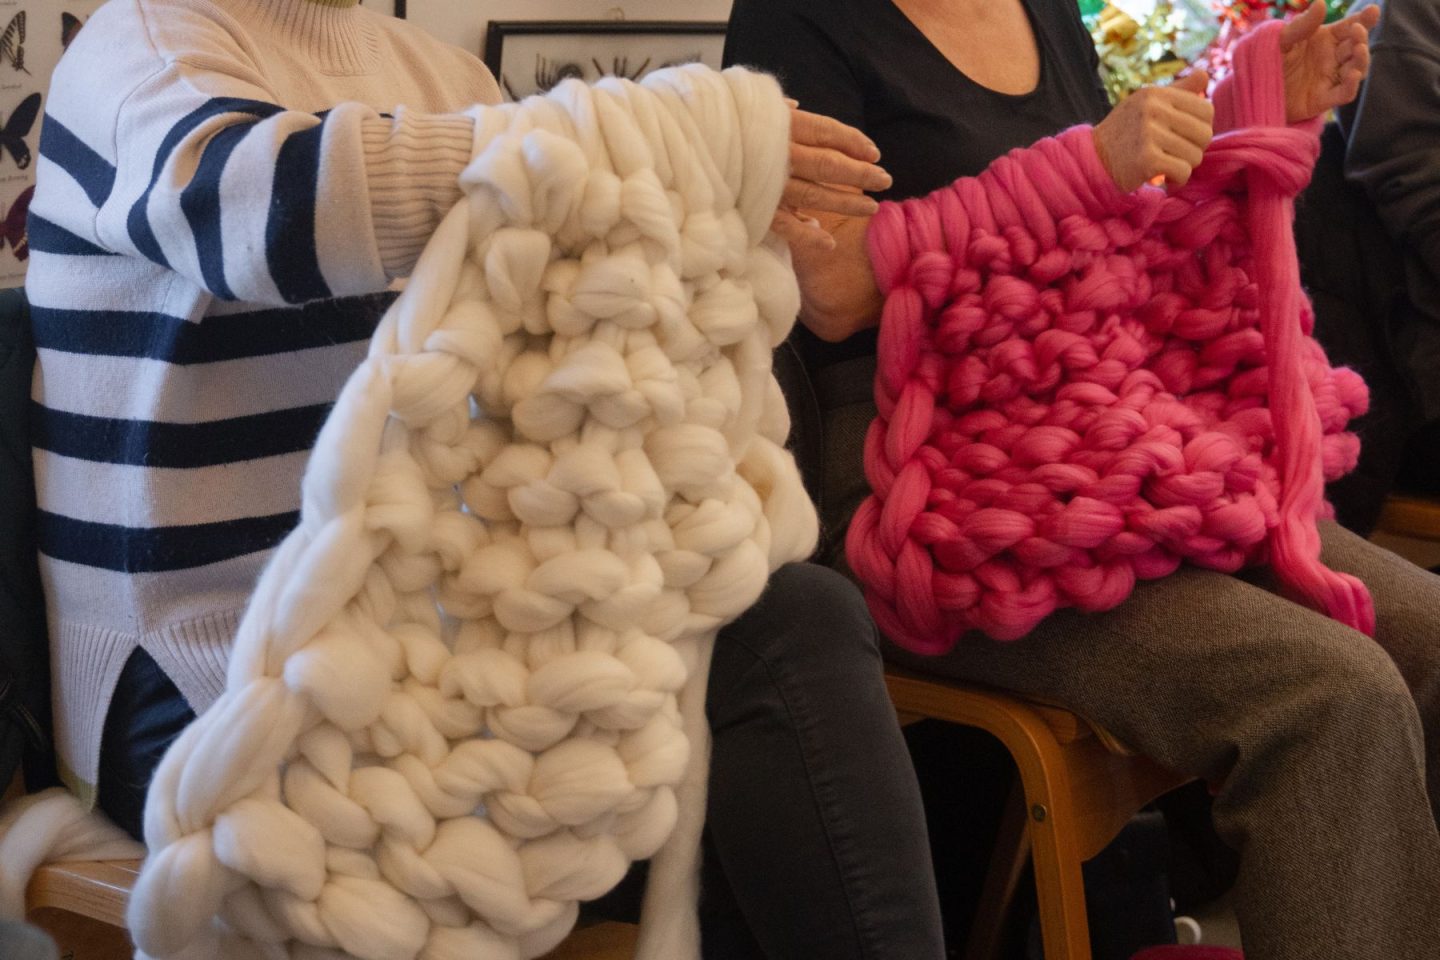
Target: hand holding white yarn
[[463, 696]]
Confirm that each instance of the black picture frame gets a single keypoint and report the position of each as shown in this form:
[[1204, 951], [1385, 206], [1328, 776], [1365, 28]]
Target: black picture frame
[[590, 47]]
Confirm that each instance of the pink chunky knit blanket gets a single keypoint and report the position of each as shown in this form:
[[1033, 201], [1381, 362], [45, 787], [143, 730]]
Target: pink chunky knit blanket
[[1079, 388]]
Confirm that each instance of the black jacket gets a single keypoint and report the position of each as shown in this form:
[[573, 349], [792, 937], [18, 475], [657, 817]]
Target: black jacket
[[24, 650], [1356, 278], [1393, 150]]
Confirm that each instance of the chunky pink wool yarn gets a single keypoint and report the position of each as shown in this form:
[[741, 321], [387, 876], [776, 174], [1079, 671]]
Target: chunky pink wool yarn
[[1079, 389], [1195, 952]]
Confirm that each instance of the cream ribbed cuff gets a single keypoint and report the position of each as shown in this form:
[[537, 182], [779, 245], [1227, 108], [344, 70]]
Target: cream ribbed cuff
[[413, 163]]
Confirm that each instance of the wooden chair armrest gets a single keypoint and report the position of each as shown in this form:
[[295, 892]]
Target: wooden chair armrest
[[98, 889], [912, 703], [1409, 516]]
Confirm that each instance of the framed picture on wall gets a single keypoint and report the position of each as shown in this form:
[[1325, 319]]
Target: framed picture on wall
[[396, 7], [531, 56]]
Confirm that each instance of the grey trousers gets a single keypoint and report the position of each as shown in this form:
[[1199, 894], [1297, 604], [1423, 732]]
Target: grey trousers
[[1316, 738]]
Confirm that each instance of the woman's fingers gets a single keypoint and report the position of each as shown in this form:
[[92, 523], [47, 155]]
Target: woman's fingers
[[1352, 62], [829, 166], [1176, 172], [1320, 60], [1175, 147], [812, 129], [1359, 57], [1349, 89], [1352, 42], [1303, 27], [1191, 129], [1197, 108], [1366, 18], [1344, 50], [800, 194]]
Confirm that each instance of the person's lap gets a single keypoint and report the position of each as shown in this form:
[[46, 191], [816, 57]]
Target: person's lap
[[1200, 644]]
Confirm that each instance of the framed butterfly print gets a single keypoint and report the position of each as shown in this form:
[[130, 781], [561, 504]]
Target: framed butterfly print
[[395, 7], [531, 56], [12, 226], [12, 43], [70, 26], [33, 38], [16, 128]]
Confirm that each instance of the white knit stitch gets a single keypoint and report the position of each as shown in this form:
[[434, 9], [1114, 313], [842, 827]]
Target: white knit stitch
[[471, 682]]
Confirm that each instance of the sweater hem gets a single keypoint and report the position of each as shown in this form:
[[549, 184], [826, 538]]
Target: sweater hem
[[88, 661]]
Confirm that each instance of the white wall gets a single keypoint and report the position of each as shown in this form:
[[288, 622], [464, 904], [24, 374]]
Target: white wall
[[462, 22]]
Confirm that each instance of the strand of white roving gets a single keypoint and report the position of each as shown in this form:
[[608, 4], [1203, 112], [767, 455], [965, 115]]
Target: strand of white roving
[[468, 691], [52, 826]]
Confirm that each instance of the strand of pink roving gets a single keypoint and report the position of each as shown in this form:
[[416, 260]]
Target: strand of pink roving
[[1078, 389]]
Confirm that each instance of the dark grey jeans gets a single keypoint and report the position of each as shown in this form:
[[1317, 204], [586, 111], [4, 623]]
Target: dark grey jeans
[[815, 837], [815, 822]]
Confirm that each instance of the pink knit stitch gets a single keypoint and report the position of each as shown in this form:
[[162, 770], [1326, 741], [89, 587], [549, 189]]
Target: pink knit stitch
[[1079, 389]]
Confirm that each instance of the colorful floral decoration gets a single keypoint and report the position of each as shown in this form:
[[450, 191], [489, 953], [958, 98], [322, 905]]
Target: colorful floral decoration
[[1142, 42]]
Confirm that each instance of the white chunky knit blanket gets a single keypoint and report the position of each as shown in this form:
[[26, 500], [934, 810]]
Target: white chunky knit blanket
[[469, 689]]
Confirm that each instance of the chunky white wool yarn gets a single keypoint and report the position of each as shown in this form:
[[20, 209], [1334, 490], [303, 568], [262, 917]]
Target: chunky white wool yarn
[[50, 827], [469, 689]]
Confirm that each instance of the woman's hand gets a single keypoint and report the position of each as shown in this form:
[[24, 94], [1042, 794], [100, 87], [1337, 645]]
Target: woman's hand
[[823, 216], [838, 293], [1157, 131], [1324, 64], [831, 167]]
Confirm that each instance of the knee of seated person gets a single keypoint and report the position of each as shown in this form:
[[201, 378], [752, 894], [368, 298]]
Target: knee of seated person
[[812, 611], [1354, 686]]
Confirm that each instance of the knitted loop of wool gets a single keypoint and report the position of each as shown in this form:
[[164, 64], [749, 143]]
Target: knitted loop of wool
[[1079, 389], [470, 684]]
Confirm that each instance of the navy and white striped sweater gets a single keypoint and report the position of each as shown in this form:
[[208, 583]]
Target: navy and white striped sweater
[[226, 189]]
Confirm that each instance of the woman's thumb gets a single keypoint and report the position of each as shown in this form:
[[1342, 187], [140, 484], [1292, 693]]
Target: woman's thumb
[[1195, 80]]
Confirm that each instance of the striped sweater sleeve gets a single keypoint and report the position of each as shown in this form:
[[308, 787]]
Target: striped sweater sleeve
[[252, 201]]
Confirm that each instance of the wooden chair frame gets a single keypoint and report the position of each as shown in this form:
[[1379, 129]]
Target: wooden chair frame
[[1079, 787], [1408, 516], [82, 905]]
